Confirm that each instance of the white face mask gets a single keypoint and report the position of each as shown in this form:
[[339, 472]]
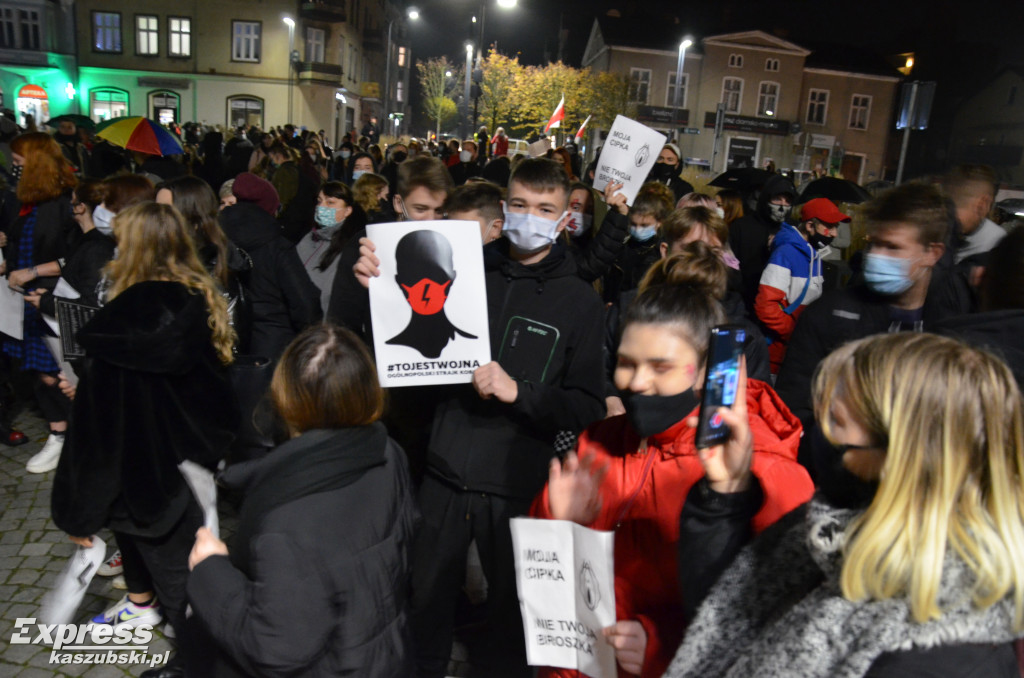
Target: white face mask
[[103, 219], [720, 212], [529, 233], [465, 156], [579, 223]]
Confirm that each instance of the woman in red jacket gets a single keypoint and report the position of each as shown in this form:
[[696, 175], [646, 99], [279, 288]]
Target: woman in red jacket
[[632, 473]]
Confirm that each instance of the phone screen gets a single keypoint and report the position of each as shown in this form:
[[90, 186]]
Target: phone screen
[[720, 383]]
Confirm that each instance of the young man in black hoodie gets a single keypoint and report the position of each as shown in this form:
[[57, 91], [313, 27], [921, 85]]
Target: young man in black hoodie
[[491, 444], [749, 235]]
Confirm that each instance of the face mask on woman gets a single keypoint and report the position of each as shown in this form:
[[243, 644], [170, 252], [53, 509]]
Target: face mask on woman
[[103, 219], [327, 216], [529, 233], [357, 173], [643, 233], [345, 155], [837, 484], [652, 414], [465, 156]]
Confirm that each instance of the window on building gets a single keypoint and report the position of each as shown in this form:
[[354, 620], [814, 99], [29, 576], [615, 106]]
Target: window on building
[[860, 109], [179, 42], [768, 99], [401, 57], [735, 61], [732, 94], [315, 42], [245, 40], [771, 65], [400, 91], [1012, 96], [106, 32], [639, 85], [107, 103], [19, 28], [670, 90], [245, 110], [146, 35], [817, 107]]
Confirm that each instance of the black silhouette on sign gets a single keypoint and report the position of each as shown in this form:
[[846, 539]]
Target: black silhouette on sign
[[588, 586], [425, 275]]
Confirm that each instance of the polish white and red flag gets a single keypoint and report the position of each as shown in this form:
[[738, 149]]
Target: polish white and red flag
[[557, 117], [580, 132]]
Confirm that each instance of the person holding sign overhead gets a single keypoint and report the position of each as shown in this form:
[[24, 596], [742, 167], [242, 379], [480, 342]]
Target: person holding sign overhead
[[631, 473]]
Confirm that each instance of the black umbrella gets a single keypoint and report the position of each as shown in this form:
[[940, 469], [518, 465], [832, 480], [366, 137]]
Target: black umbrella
[[80, 120], [836, 190], [743, 179]]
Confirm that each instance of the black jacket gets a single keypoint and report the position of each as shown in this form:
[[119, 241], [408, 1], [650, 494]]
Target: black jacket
[[997, 331], [844, 315], [350, 301], [713, 528], [633, 261], [320, 588], [83, 269], [596, 252], [545, 326], [151, 394], [284, 299], [55, 234], [748, 237]]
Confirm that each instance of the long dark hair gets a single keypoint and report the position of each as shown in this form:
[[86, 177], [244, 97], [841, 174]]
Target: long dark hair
[[199, 205], [354, 223]]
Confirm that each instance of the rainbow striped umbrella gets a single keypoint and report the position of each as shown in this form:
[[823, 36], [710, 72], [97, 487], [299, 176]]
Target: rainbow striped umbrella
[[140, 134]]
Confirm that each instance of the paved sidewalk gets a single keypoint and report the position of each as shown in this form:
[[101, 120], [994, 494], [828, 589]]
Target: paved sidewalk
[[32, 553]]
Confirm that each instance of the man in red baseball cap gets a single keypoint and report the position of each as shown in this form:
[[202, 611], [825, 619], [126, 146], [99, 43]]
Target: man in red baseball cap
[[793, 278]]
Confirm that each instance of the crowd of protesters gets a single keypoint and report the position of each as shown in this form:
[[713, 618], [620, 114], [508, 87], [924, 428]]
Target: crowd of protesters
[[865, 516]]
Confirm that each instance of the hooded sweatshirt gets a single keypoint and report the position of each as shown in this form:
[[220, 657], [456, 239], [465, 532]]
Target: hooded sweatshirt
[[545, 327], [643, 494], [793, 275]]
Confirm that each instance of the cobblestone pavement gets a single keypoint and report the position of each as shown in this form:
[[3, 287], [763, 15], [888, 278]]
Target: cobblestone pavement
[[32, 552]]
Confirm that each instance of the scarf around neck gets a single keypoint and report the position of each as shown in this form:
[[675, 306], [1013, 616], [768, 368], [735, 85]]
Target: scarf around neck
[[778, 610]]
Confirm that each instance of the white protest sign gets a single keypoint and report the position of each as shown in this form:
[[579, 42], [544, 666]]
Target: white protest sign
[[565, 579], [628, 155], [12, 310], [61, 602], [429, 304]]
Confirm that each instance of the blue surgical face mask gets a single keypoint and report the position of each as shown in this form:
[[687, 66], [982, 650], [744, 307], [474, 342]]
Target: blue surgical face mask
[[530, 233], [345, 155], [643, 233], [357, 173], [887, 275], [326, 216]]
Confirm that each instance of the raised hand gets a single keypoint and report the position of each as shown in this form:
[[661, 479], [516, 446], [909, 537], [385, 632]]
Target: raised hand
[[574, 488]]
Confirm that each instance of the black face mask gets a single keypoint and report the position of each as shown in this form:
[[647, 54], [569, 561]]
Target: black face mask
[[819, 241], [653, 414], [662, 171], [399, 156], [837, 484]]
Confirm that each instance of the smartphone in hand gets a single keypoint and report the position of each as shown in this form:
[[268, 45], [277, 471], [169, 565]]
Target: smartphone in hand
[[721, 381]]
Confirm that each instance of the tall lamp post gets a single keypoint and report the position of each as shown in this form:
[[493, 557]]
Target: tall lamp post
[[413, 14], [290, 23], [677, 101], [464, 118]]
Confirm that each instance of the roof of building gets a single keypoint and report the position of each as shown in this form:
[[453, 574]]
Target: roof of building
[[834, 57]]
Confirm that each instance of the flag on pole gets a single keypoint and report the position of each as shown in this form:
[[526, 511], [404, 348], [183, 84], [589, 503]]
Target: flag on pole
[[557, 117], [581, 130]]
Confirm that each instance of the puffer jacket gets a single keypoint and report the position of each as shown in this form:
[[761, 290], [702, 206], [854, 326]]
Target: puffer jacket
[[643, 495]]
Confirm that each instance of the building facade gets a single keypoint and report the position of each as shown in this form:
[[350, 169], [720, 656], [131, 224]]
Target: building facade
[[989, 127], [38, 70], [320, 64], [781, 103]]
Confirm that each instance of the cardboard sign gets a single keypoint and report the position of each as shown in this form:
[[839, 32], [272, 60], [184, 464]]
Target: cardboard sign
[[565, 579], [628, 155], [429, 304]]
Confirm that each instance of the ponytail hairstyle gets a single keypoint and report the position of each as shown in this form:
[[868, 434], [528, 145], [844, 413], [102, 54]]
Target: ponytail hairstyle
[[698, 263], [950, 420], [154, 243], [687, 304]]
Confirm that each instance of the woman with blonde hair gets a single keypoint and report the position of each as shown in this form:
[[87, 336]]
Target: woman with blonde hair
[[153, 393], [910, 558], [370, 192], [40, 233]]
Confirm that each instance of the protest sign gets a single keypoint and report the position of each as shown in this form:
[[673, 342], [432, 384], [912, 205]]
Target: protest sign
[[429, 304], [565, 579], [61, 602], [628, 155]]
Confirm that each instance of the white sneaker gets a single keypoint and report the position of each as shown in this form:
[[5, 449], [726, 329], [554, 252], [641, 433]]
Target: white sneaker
[[118, 582], [114, 565], [125, 613], [46, 459]]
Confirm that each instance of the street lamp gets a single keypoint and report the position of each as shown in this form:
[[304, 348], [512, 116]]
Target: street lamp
[[464, 118], [413, 14], [677, 101], [290, 23]]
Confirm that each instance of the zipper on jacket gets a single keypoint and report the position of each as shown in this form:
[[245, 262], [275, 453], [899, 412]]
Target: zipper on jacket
[[640, 485]]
